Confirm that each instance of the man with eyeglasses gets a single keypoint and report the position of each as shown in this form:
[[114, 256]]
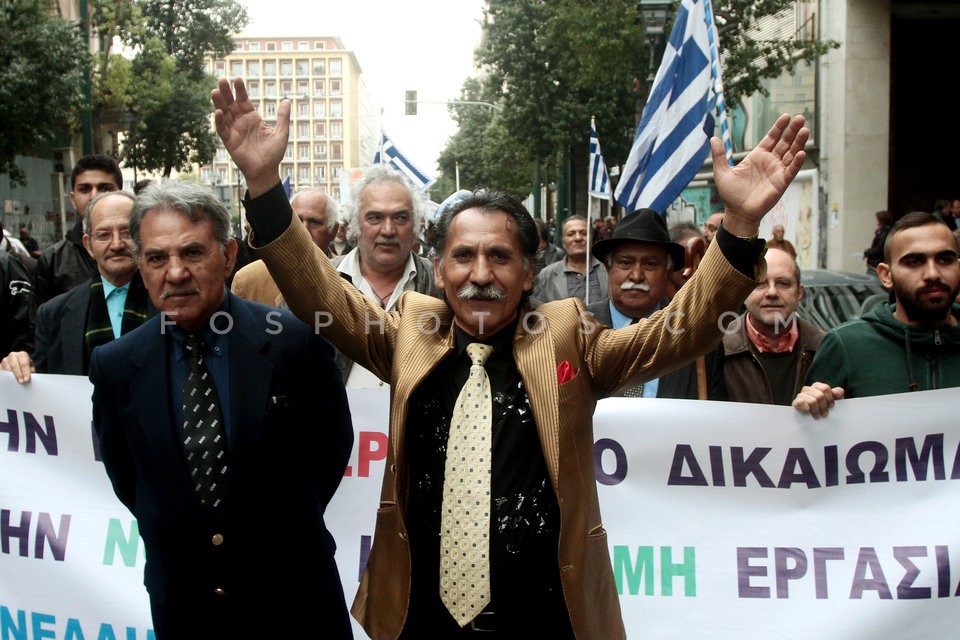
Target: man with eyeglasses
[[108, 304], [912, 344], [67, 263], [768, 349]]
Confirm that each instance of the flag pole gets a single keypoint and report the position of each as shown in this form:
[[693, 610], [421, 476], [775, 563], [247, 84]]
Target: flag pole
[[586, 297], [714, 39]]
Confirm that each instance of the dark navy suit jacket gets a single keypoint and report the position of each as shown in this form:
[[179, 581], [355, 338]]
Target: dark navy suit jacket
[[265, 566]]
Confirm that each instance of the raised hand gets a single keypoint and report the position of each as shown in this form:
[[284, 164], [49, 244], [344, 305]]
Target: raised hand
[[254, 145], [751, 188]]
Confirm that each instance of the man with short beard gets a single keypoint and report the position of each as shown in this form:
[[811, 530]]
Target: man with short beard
[[910, 345]]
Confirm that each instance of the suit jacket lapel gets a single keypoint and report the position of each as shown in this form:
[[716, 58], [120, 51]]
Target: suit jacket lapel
[[73, 328], [151, 385], [249, 394], [535, 356]]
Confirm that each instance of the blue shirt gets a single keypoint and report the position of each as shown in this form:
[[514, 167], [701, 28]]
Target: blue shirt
[[116, 298], [619, 321]]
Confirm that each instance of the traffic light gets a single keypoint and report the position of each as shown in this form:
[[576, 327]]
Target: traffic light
[[411, 103]]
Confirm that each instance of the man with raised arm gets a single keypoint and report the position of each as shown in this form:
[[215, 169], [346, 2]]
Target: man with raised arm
[[547, 570]]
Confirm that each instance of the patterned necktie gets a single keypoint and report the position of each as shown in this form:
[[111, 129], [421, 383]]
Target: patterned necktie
[[203, 436], [465, 514]]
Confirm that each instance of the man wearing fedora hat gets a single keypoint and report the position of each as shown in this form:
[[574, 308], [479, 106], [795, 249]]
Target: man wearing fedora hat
[[640, 258]]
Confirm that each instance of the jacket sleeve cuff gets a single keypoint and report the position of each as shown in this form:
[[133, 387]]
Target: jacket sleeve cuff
[[268, 214], [742, 253]]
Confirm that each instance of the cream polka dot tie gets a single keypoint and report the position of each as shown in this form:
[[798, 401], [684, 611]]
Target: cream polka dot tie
[[465, 514]]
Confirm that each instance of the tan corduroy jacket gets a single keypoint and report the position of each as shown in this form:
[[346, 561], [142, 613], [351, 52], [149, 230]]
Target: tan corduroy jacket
[[418, 334]]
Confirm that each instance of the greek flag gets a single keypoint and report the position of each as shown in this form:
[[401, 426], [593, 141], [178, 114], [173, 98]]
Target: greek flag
[[599, 178], [389, 153], [673, 137]]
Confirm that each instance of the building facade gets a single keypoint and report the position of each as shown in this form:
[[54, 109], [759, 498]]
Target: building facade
[[333, 126]]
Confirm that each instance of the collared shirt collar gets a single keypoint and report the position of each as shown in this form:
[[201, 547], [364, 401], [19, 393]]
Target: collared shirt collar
[[350, 265], [783, 343]]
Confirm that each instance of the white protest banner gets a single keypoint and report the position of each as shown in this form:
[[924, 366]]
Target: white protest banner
[[724, 520]]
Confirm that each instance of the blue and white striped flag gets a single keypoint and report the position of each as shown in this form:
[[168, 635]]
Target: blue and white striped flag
[[388, 152], [599, 178], [673, 137]]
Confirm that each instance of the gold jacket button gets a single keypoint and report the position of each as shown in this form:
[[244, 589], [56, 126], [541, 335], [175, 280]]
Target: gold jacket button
[[217, 539], [219, 591]]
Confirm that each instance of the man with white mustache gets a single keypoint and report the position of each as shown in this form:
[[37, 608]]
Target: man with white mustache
[[639, 259], [111, 303]]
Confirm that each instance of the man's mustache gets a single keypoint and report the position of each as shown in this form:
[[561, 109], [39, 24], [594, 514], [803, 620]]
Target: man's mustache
[[388, 242], [630, 285], [186, 291], [486, 292]]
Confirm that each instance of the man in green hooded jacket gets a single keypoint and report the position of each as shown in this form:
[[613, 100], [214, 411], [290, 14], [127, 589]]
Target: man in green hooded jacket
[[910, 345]]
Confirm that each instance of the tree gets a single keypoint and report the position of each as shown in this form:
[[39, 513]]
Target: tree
[[41, 63], [553, 64], [161, 97]]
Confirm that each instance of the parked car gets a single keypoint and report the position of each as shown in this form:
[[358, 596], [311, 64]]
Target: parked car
[[833, 297]]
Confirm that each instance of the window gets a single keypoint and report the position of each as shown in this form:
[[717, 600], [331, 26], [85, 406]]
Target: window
[[303, 68], [319, 67], [270, 89], [336, 131], [288, 154], [337, 171], [222, 155], [335, 66], [253, 88], [303, 131], [318, 88], [303, 109], [271, 46], [286, 68], [319, 109], [254, 46], [318, 45], [286, 88], [286, 45], [303, 45], [321, 173], [319, 150], [336, 109], [253, 68], [269, 68], [304, 173], [336, 150], [271, 108], [303, 88], [303, 152], [320, 130], [236, 68], [219, 67], [335, 88]]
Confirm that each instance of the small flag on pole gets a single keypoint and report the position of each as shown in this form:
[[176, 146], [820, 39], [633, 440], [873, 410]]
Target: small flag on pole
[[286, 186], [388, 153], [599, 178], [673, 137]]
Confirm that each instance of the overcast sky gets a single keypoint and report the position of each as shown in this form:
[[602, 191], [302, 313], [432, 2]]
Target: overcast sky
[[422, 45]]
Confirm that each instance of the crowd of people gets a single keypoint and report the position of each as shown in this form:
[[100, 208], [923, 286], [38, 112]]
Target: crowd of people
[[195, 420]]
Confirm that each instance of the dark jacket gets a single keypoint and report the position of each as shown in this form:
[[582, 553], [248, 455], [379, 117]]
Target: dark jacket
[[17, 308], [680, 384], [877, 355], [63, 265], [61, 324], [289, 440], [743, 373]]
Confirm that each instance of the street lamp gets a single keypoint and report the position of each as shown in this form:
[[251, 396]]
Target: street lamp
[[653, 14]]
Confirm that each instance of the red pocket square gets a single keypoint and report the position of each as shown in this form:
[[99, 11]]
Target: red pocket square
[[564, 372]]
